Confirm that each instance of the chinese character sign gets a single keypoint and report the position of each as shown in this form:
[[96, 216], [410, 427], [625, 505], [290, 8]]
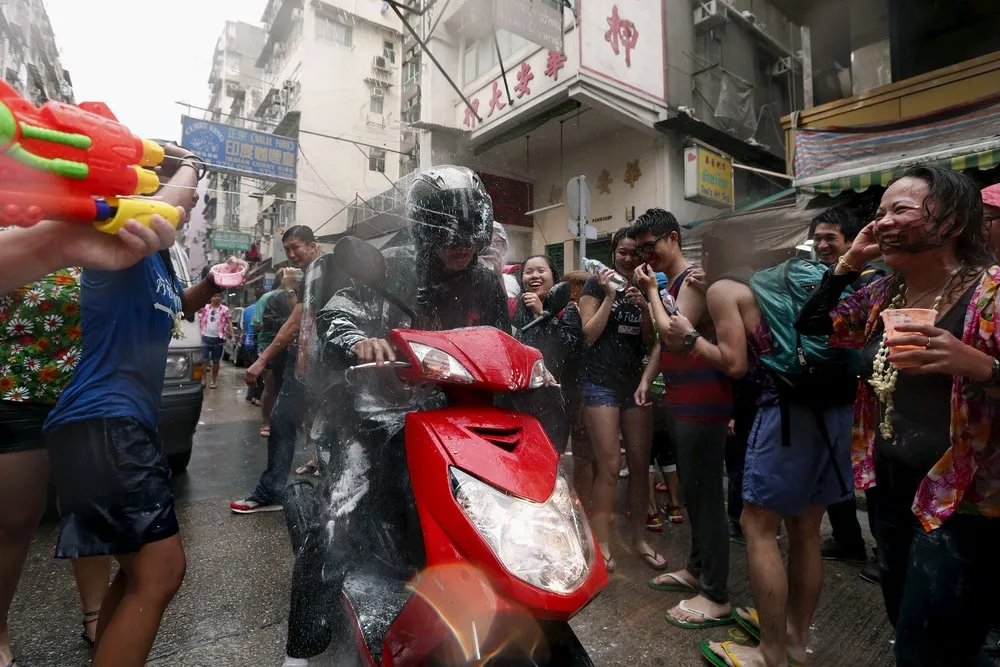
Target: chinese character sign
[[623, 43], [239, 151]]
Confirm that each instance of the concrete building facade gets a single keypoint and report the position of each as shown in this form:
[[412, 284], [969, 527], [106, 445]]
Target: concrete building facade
[[633, 84], [334, 73], [29, 57]]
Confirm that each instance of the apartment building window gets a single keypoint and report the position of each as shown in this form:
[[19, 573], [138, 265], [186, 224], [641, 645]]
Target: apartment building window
[[481, 55], [376, 160], [389, 51], [377, 103], [411, 72], [333, 31]]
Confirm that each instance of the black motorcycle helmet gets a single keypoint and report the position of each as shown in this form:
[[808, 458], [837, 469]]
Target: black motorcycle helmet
[[448, 207]]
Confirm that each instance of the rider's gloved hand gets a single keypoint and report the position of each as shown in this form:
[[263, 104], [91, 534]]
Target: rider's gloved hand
[[373, 349]]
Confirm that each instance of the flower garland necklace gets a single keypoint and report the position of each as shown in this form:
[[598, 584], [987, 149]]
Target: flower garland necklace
[[884, 374]]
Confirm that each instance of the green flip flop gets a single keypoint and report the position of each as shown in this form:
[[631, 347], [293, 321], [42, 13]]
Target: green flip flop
[[679, 587], [706, 622], [752, 626], [713, 659]]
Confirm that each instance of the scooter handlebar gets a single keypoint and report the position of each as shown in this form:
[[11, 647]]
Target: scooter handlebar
[[353, 370]]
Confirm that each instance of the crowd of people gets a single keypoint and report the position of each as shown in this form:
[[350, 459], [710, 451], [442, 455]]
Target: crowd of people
[[784, 381]]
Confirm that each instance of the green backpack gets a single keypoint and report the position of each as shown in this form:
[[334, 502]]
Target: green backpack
[[808, 370]]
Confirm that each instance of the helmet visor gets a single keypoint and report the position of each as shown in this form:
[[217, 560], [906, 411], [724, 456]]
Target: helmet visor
[[454, 219]]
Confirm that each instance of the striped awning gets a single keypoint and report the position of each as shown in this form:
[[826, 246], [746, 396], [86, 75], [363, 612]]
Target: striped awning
[[860, 182], [831, 160]]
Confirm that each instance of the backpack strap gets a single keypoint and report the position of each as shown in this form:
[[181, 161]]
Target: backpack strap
[[825, 434]]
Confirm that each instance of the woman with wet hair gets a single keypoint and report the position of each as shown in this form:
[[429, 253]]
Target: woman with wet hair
[[558, 340], [617, 332], [926, 419]]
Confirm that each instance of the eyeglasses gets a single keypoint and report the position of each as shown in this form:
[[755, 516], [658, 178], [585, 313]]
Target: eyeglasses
[[648, 248]]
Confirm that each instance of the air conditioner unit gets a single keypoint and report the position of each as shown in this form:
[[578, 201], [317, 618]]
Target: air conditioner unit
[[378, 92], [710, 14], [379, 64]]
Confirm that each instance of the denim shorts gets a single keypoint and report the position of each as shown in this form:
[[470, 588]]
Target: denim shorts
[[596, 396], [789, 478], [211, 348]]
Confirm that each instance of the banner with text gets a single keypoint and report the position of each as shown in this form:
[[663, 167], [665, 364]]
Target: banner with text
[[239, 151]]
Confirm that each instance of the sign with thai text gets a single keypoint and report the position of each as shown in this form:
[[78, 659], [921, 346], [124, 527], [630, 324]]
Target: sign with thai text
[[239, 151], [708, 177]]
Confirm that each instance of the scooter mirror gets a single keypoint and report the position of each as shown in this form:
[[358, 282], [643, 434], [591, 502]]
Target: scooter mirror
[[360, 260], [558, 298]]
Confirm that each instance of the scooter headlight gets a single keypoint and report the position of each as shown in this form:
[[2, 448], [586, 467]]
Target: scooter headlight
[[547, 545], [436, 364]]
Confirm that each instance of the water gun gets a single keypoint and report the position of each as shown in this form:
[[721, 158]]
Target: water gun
[[75, 164]]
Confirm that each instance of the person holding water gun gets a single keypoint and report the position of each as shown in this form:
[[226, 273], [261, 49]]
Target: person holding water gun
[[40, 282], [77, 168]]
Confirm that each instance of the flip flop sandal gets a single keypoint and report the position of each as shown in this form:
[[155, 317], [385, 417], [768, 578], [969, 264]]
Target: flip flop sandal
[[680, 587], [88, 618], [661, 487], [706, 622], [609, 564], [713, 659], [307, 469], [652, 558], [751, 626], [265, 432]]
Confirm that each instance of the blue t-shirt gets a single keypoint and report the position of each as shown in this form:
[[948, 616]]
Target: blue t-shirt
[[127, 319], [248, 332]]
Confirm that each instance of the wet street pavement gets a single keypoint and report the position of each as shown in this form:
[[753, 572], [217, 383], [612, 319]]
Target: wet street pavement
[[232, 608]]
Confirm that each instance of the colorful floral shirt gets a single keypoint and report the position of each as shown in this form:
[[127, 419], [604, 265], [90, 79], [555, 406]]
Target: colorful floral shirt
[[225, 320], [967, 477], [40, 338]]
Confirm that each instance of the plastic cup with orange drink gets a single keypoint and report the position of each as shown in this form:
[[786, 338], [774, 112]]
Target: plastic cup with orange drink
[[896, 317]]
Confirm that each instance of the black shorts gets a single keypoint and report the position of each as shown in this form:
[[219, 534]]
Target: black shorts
[[21, 426], [114, 490]]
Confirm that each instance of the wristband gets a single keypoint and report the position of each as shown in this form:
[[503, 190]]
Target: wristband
[[843, 262]]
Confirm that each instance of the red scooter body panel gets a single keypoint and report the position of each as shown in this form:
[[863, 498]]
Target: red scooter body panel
[[496, 361], [528, 472], [497, 446]]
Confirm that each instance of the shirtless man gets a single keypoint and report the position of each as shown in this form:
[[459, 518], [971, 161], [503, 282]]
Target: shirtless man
[[791, 484]]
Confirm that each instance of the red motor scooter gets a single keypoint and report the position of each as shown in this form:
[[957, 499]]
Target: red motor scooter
[[507, 554]]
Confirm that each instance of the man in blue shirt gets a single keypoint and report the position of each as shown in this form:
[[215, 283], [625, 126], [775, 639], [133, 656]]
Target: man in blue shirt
[[108, 464], [250, 348]]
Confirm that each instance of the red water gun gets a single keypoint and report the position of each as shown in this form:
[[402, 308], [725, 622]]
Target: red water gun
[[76, 164]]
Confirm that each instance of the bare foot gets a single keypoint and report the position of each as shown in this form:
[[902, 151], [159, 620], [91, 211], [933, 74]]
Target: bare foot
[[746, 656], [680, 577], [701, 604]]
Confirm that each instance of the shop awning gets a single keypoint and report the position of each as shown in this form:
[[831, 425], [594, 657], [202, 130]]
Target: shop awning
[[779, 222], [836, 159], [984, 155]]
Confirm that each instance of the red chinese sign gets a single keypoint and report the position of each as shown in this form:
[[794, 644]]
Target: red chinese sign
[[524, 77], [556, 61], [621, 34], [495, 102], [470, 114]]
